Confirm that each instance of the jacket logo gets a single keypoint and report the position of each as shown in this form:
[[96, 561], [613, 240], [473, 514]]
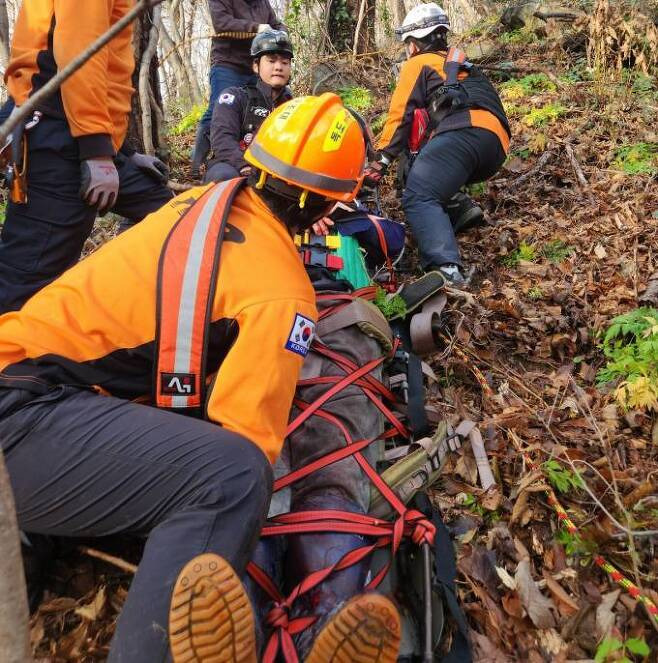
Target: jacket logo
[[259, 111], [177, 384]]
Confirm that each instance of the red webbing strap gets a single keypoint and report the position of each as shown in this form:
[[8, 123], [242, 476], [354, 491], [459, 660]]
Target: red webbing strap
[[333, 456], [322, 462], [374, 384], [338, 387], [391, 285], [348, 365], [412, 523]]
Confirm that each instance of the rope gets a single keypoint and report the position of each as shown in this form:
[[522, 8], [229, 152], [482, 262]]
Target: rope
[[617, 576]]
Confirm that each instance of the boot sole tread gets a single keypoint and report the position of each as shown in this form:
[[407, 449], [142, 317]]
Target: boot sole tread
[[365, 630], [210, 617]]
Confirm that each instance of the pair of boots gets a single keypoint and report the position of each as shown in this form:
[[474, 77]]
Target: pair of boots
[[211, 621]]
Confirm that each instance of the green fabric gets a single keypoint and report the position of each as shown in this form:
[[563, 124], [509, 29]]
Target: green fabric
[[354, 267]]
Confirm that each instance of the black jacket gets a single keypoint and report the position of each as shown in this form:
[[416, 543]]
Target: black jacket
[[237, 116], [238, 16]]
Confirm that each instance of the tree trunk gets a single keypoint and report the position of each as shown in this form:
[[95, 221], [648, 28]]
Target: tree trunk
[[150, 94], [464, 14], [14, 615], [4, 36]]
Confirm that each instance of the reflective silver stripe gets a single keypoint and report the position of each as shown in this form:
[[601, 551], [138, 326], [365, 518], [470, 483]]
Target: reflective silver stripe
[[189, 290], [300, 176]]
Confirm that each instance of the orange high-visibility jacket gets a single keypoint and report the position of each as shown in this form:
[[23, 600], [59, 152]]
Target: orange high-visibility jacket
[[96, 324], [96, 99], [420, 77]]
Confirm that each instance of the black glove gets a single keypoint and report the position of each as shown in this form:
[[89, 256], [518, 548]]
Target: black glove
[[374, 172], [152, 166], [99, 183]]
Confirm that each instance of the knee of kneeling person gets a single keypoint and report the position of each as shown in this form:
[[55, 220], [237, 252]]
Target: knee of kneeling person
[[234, 468]]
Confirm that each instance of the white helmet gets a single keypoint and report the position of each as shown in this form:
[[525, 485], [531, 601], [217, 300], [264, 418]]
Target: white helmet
[[422, 20]]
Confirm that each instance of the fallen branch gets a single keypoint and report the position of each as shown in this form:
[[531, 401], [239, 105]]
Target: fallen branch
[[541, 162], [110, 559], [558, 16], [24, 111], [576, 166]]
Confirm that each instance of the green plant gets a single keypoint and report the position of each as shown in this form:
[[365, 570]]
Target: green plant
[[637, 159], [613, 649], [515, 110], [522, 36], [378, 123], [574, 545], [189, 121], [526, 86], [391, 307], [630, 346], [471, 503], [535, 292], [561, 478], [538, 117], [3, 210], [579, 72], [358, 98], [527, 252], [477, 189], [556, 250]]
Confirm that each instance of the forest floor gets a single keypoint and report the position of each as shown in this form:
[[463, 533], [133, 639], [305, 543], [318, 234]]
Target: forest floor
[[571, 240]]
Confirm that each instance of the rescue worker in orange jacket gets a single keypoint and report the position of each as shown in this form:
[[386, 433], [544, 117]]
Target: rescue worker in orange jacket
[[203, 309], [77, 162], [471, 134]]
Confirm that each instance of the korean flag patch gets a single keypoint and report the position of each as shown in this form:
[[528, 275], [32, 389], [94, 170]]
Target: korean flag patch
[[226, 98], [301, 335]]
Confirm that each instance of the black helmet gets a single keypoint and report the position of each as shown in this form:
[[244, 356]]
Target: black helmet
[[271, 41]]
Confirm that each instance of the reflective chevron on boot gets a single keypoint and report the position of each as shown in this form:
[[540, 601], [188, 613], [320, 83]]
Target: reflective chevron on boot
[[210, 617], [364, 630]]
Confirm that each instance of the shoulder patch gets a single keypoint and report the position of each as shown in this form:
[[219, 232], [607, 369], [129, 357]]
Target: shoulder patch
[[226, 98], [301, 335]]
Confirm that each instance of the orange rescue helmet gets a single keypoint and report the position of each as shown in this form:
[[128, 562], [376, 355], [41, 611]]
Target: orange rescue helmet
[[313, 143]]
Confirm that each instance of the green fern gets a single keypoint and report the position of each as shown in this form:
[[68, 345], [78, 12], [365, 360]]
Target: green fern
[[630, 346]]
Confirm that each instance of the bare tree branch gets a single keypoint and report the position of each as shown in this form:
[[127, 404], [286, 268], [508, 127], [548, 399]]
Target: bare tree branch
[[24, 111], [144, 91]]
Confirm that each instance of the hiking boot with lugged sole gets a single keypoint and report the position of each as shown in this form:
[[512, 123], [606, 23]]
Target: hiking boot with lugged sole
[[210, 617], [365, 630]]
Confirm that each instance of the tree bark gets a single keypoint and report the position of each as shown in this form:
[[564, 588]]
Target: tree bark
[[152, 95], [4, 35], [145, 90], [14, 615]]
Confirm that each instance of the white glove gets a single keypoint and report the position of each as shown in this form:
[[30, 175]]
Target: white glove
[[264, 27]]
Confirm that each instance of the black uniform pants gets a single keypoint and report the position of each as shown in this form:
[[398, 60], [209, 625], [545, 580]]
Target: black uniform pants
[[81, 464], [44, 237], [448, 162]]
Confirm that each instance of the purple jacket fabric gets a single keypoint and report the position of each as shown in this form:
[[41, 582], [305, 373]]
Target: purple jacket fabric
[[238, 16]]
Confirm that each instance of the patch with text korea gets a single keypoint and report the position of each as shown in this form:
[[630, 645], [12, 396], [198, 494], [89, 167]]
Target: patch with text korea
[[301, 335]]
